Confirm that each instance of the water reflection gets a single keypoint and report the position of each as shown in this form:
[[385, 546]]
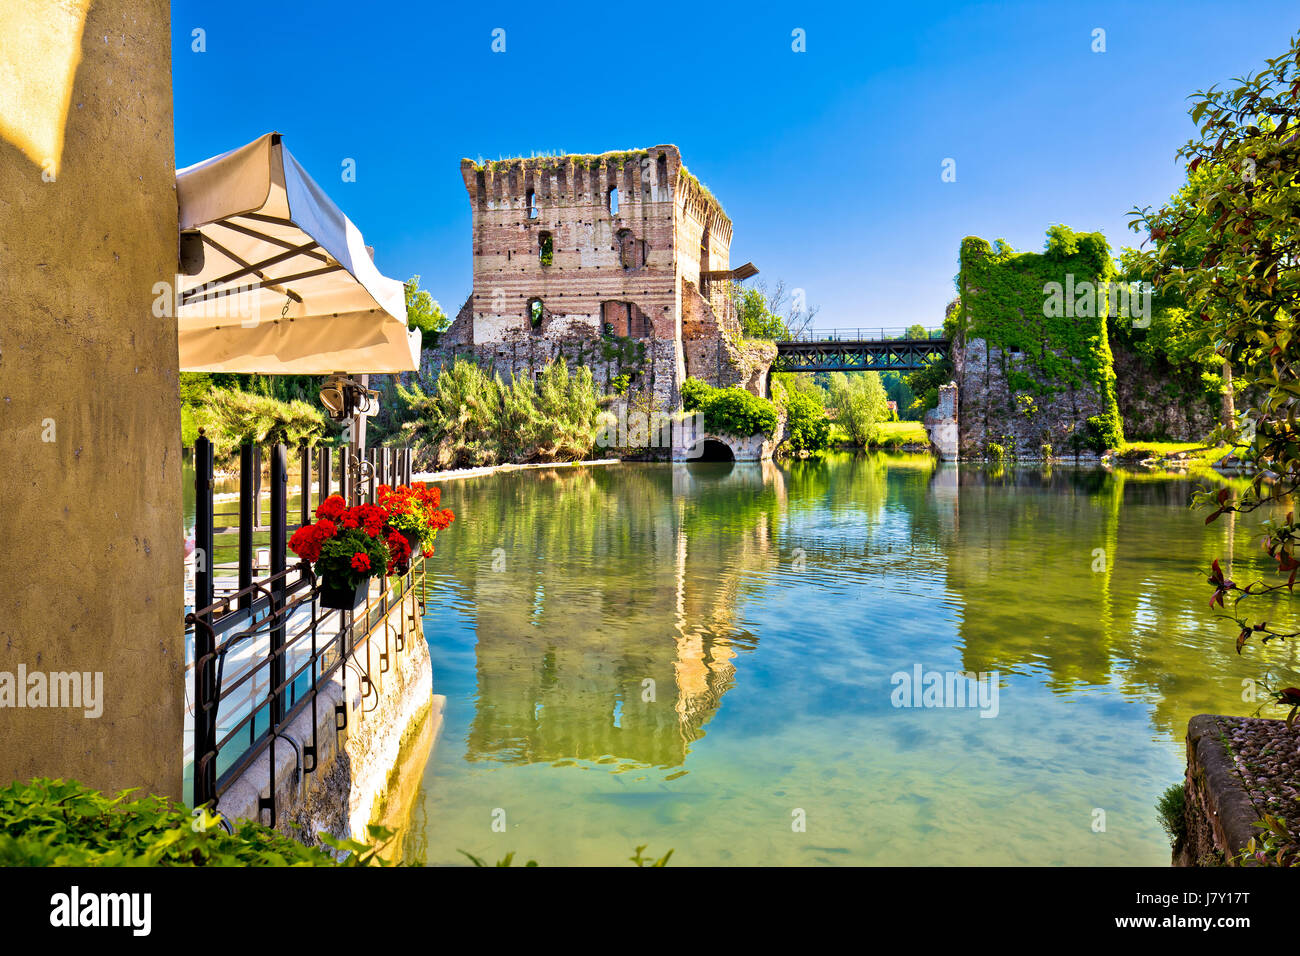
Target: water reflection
[[574, 662], [681, 654]]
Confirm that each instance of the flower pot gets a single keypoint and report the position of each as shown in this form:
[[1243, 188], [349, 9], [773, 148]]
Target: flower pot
[[413, 540], [341, 597]]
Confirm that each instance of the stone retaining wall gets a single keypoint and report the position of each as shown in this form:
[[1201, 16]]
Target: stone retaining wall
[[1219, 815]]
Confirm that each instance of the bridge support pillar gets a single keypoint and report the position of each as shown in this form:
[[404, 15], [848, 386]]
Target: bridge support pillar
[[941, 423]]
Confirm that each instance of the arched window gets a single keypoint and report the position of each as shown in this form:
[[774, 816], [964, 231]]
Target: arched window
[[611, 200], [546, 248], [535, 313], [532, 204]]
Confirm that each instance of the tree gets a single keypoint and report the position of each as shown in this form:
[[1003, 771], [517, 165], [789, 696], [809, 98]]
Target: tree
[[424, 313], [860, 405], [807, 427], [778, 313], [1241, 212], [1174, 330], [802, 383], [757, 321], [796, 314], [231, 418]]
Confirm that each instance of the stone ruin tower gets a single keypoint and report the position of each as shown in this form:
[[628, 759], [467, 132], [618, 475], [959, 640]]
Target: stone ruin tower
[[619, 262]]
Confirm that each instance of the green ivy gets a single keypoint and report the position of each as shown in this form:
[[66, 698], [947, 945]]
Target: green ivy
[[1002, 302], [623, 349]]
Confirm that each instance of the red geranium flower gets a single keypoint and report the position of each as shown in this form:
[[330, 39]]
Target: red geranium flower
[[332, 508], [361, 561], [305, 543]]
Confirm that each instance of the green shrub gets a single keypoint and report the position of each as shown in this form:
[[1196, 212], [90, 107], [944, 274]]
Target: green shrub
[[807, 427], [1137, 453], [471, 418], [1102, 432], [231, 418], [64, 823], [734, 411], [729, 411], [996, 452], [693, 393]]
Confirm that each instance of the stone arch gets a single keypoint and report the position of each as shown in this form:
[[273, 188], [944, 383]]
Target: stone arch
[[753, 448], [716, 449]]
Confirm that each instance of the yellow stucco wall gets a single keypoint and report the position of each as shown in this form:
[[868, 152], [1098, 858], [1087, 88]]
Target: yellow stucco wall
[[90, 493]]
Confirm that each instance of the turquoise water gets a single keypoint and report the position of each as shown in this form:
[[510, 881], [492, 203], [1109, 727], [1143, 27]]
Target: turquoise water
[[702, 658]]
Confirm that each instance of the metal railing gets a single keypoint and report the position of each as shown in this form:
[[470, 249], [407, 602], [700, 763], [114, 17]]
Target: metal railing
[[262, 649], [864, 335], [322, 471], [256, 669]]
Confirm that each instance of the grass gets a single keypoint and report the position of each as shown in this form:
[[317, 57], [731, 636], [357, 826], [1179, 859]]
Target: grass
[[891, 433], [1170, 809], [903, 432]]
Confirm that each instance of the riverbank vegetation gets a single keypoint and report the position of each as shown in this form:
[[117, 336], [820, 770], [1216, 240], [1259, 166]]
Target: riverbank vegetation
[[233, 408], [729, 411], [852, 411], [232, 416], [473, 418], [899, 433]]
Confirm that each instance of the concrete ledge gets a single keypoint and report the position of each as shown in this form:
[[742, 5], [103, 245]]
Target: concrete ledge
[[1219, 813]]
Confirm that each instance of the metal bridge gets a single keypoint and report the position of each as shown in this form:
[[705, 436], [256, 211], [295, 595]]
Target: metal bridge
[[859, 350]]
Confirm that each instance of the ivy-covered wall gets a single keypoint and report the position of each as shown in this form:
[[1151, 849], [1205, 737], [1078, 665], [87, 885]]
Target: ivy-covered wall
[[1031, 353]]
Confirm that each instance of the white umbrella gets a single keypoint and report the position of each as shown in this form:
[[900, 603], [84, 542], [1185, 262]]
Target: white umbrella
[[283, 282]]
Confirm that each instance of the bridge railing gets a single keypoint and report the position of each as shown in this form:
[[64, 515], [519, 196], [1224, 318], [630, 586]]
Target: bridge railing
[[864, 335]]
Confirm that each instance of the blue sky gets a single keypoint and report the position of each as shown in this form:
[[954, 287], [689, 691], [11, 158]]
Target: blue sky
[[828, 161]]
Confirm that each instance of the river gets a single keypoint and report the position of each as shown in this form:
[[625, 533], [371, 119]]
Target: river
[[709, 658]]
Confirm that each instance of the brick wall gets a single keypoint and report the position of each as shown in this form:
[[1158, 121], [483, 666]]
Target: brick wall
[[556, 264]]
